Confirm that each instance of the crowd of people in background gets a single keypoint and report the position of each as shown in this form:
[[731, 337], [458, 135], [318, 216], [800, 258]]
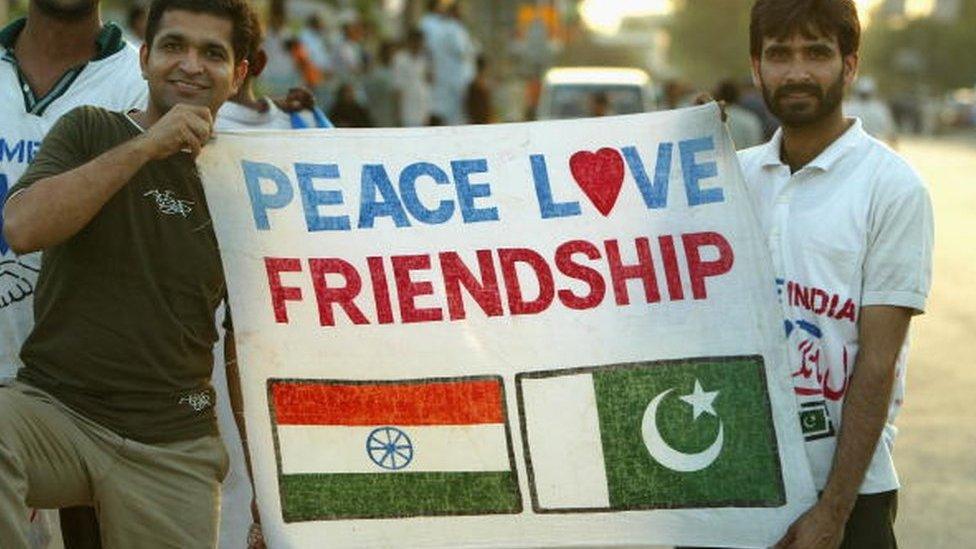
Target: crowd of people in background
[[433, 76], [437, 75]]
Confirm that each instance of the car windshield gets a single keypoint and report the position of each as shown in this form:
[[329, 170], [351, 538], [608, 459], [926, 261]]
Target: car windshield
[[577, 101]]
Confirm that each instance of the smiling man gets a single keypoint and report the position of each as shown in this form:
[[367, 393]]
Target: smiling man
[[114, 407], [849, 225]]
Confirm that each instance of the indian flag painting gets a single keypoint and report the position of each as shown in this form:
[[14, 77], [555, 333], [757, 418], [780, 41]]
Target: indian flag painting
[[694, 433], [392, 449]]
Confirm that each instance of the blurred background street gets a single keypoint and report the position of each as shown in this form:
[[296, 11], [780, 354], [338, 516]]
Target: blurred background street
[[936, 448], [487, 61]]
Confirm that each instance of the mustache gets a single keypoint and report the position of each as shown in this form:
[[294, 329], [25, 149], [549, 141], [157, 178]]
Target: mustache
[[798, 88]]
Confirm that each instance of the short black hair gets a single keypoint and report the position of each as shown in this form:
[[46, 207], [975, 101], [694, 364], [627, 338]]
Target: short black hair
[[781, 19], [238, 12], [727, 90]]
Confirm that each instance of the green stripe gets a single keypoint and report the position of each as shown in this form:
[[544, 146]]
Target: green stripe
[[394, 495]]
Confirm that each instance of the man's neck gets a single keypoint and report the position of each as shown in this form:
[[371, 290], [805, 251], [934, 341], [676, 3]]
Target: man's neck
[[247, 98], [58, 43], [802, 144]]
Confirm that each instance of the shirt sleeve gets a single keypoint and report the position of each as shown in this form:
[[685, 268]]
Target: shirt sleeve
[[62, 150], [898, 265]]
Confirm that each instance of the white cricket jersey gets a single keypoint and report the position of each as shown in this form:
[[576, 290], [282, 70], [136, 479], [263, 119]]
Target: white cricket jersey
[[112, 80], [850, 229]]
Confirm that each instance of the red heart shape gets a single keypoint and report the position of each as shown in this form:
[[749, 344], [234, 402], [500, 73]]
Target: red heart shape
[[600, 175]]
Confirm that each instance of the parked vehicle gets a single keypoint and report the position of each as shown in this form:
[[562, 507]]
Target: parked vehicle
[[578, 92]]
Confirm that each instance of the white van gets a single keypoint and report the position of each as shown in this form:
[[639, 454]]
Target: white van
[[571, 92]]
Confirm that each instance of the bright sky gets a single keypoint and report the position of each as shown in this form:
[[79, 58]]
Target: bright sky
[[604, 16]]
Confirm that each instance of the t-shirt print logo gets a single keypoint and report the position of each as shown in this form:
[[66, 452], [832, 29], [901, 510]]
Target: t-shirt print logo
[[17, 280], [169, 204], [198, 401]]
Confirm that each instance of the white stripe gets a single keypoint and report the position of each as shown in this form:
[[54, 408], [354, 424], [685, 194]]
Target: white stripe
[[436, 448], [564, 442]]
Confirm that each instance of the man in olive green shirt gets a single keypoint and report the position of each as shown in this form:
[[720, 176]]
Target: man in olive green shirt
[[114, 406]]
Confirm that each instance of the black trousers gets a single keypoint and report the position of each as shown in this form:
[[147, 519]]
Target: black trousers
[[871, 524]]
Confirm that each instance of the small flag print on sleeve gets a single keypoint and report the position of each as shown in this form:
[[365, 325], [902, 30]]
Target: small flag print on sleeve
[[381, 449]]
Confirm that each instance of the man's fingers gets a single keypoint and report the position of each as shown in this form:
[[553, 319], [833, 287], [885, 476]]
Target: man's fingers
[[191, 141]]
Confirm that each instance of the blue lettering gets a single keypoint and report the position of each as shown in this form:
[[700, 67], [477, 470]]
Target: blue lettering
[[375, 179], [693, 172], [9, 153], [33, 147], [408, 191], [261, 202], [312, 198], [543, 191], [468, 192], [655, 194]]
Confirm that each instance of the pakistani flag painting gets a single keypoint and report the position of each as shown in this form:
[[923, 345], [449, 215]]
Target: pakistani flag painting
[[365, 450], [695, 433]]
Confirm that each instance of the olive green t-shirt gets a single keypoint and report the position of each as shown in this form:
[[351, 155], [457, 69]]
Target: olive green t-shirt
[[124, 309]]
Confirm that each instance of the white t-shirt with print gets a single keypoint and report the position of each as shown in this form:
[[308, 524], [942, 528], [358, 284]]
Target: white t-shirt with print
[[115, 83], [850, 229]]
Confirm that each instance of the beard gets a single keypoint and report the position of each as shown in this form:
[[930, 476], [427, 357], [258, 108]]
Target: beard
[[67, 10], [797, 115]]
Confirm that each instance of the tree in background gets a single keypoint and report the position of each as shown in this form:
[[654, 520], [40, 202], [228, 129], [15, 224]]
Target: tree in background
[[933, 53], [710, 40]]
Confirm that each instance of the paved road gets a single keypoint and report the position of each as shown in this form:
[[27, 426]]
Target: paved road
[[936, 448]]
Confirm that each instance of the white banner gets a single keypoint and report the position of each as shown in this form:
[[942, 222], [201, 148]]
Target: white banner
[[524, 335]]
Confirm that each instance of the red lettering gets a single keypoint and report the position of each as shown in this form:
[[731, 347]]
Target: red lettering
[[344, 296], [819, 301], [801, 296], [833, 305], [847, 311], [583, 273], [381, 291], [485, 292], [282, 294], [670, 259], [517, 304], [408, 290], [699, 270], [644, 270]]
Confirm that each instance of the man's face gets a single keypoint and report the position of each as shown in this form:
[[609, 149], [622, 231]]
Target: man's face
[[803, 78], [191, 60], [67, 10]]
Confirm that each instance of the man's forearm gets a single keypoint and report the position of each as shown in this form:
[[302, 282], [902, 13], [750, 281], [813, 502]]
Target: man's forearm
[[866, 404], [55, 208], [865, 410]]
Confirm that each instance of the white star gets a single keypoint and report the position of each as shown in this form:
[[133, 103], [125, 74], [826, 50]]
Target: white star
[[701, 401]]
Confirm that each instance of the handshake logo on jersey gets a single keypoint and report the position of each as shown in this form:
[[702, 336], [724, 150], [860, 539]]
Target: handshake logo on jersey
[[17, 280], [17, 275]]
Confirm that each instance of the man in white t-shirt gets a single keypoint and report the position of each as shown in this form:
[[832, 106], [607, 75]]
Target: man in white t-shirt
[[59, 57], [849, 225]]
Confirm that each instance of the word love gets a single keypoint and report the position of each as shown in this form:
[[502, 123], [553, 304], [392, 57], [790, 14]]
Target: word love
[[529, 282], [601, 176]]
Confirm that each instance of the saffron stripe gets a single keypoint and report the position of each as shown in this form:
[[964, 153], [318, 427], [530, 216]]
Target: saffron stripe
[[424, 402]]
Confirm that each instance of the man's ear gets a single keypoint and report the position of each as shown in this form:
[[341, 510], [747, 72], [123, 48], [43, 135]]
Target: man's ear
[[756, 64], [240, 74], [851, 64], [143, 59], [258, 62]]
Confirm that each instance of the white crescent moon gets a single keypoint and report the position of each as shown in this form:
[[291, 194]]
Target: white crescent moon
[[668, 456]]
